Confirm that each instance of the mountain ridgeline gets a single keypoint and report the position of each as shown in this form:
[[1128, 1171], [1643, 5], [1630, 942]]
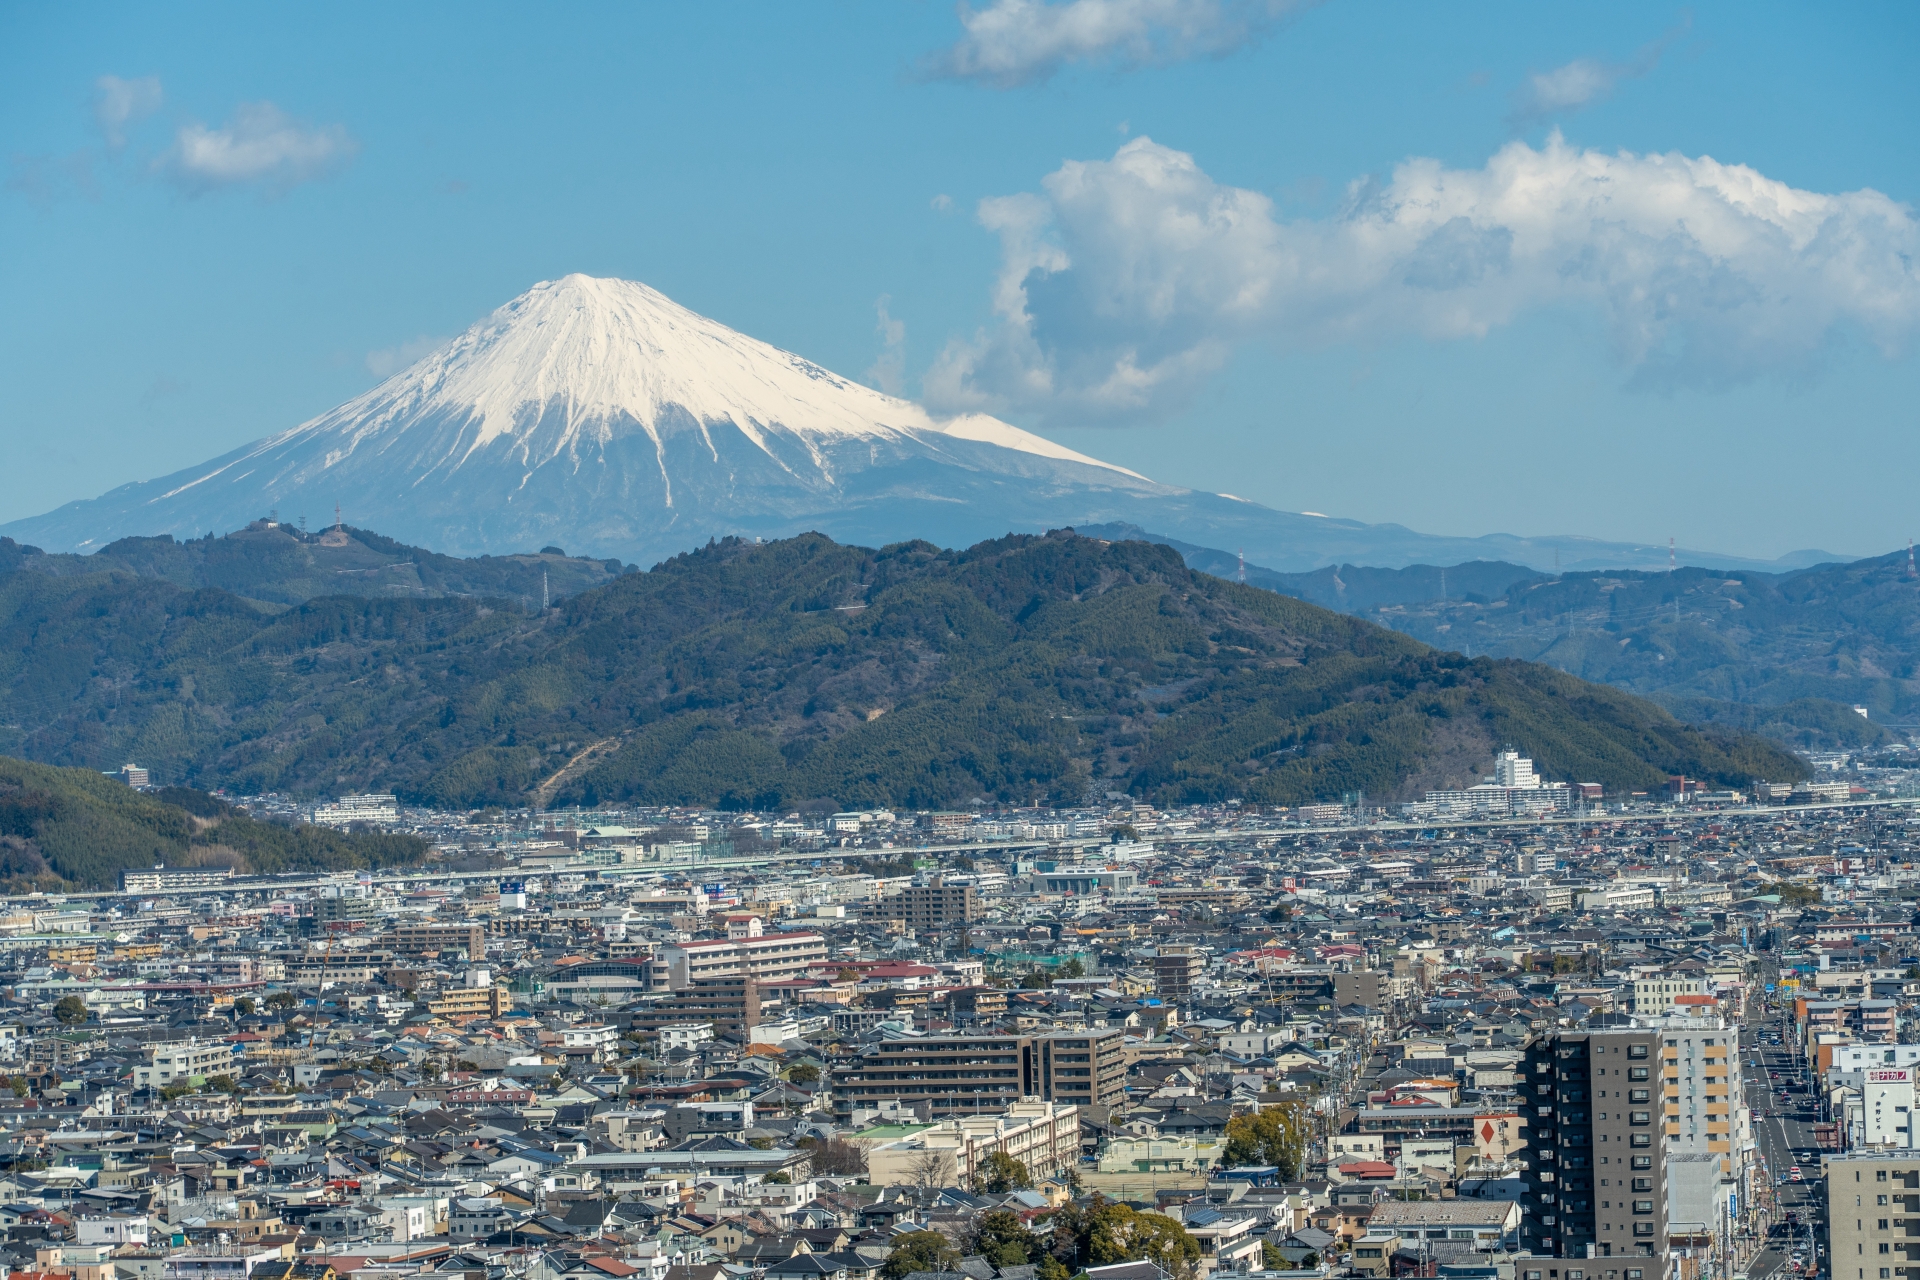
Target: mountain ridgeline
[[279, 564], [1788, 655], [805, 672], [76, 829]]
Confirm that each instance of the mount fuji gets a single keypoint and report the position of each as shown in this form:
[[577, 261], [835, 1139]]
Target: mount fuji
[[600, 415]]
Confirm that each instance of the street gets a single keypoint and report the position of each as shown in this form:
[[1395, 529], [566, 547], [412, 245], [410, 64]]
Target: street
[[1783, 1130]]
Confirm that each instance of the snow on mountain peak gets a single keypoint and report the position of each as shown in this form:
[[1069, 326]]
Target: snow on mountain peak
[[581, 360]]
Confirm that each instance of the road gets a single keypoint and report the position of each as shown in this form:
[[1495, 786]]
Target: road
[[709, 866], [1783, 1129]]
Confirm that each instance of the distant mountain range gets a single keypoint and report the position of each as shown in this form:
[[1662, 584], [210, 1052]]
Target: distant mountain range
[[798, 672], [600, 416], [1787, 654]]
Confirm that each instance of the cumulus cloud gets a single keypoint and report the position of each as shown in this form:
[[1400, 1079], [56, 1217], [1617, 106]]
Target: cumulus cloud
[[1125, 282], [1585, 81], [118, 103], [260, 144], [388, 361], [1014, 42]]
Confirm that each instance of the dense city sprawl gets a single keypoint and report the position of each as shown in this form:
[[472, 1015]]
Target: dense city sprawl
[[1583, 1039]]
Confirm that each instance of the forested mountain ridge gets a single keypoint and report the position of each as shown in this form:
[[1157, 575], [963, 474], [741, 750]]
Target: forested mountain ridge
[[802, 670], [278, 564], [62, 828], [1786, 654]]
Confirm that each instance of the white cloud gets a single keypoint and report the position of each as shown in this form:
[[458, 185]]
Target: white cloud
[[1125, 282], [1016, 42], [1585, 81], [388, 361], [118, 103], [261, 143], [889, 371], [942, 203]]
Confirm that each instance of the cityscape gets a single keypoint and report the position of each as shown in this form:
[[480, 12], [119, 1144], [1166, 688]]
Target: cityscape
[[995, 640]]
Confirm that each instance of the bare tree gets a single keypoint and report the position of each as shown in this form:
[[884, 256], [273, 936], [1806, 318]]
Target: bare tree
[[931, 1169]]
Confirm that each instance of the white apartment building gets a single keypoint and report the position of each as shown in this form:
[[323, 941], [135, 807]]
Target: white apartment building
[[1618, 898], [685, 1035], [113, 1230], [772, 957], [1709, 1126], [1044, 1136], [1654, 994], [594, 1036], [1703, 1086], [171, 1063], [380, 809]]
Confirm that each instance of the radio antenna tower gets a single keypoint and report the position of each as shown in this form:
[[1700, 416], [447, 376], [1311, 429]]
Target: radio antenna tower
[[1911, 571], [1243, 561], [1670, 555], [336, 516], [545, 601]]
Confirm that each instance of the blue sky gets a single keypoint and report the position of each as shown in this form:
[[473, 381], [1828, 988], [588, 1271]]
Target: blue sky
[[1464, 268]]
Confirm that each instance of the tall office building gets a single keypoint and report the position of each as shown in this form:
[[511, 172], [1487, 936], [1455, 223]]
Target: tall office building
[[1596, 1179]]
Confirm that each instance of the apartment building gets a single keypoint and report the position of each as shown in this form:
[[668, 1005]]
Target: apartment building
[[1175, 971], [1044, 1136], [184, 1059], [417, 939], [1702, 1090], [1597, 1158], [1363, 987], [928, 907], [1709, 1128], [1655, 993], [982, 1074], [772, 957], [184, 880], [470, 1002], [730, 1003], [1869, 1194]]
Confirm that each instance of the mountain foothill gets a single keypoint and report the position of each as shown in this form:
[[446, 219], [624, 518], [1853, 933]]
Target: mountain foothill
[[793, 673]]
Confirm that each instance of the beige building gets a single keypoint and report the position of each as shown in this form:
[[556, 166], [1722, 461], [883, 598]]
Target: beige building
[[1868, 1196], [1043, 1136], [771, 957]]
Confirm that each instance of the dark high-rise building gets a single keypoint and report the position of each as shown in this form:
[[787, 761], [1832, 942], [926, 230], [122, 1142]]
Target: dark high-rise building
[[1596, 1181], [981, 1074], [1175, 970]]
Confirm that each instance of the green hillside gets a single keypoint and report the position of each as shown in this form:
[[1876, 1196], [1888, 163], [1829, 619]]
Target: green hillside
[[75, 828], [1787, 655], [803, 671], [279, 564]]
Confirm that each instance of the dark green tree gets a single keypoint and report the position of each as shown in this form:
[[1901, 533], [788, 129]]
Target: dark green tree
[[71, 1010], [1275, 1135], [1003, 1239], [1000, 1173], [919, 1251]]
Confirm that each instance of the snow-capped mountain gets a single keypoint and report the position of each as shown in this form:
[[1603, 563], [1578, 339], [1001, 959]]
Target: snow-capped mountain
[[604, 417]]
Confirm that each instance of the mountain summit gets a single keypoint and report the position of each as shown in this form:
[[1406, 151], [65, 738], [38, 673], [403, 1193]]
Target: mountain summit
[[602, 416]]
